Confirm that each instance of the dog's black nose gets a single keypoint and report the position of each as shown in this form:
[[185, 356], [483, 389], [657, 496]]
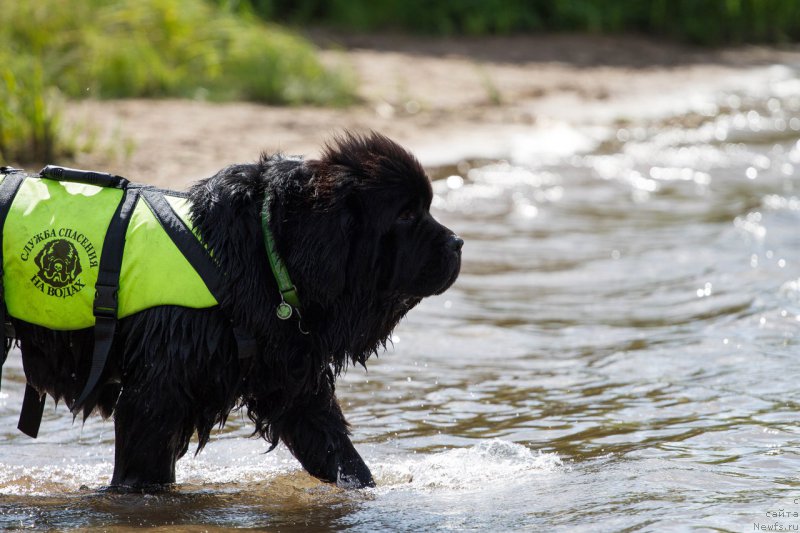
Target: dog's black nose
[[455, 243]]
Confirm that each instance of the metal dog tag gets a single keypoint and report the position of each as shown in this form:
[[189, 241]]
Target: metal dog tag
[[284, 311]]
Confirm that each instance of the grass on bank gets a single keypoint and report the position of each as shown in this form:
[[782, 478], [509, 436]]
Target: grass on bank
[[142, 48], [706, 22]]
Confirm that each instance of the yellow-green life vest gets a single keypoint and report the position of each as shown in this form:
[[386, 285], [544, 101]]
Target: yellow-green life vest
[[52, 242]]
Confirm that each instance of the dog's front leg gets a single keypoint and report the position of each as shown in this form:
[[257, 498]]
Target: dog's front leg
[[316, 432], [152, 433]]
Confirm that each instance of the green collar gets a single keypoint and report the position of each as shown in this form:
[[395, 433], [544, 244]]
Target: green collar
[[290, 301]]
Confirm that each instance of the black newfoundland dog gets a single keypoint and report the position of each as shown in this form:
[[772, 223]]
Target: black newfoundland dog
[[355, 233]]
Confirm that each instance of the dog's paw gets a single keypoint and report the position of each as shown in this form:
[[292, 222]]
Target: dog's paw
[[354, 480]]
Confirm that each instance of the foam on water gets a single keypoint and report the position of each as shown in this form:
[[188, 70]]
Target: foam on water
[[17, 480], [241, 462], [486, 463]]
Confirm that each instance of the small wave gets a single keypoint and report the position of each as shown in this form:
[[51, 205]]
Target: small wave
[[224, 462], [776, 202], [251, 465], [497, 190], [488, 462], [790, 291], [47, 480]]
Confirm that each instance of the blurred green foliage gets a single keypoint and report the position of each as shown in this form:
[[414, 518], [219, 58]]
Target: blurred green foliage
[[706, 22], [29, 115], [184, 48], [143, 48]]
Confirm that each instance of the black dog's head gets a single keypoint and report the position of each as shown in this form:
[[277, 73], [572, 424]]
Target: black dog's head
[[353, 228], [58, 263], [367, 243], [382, 194]]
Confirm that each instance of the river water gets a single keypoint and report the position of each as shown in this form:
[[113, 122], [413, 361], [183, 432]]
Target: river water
[[619, 353]]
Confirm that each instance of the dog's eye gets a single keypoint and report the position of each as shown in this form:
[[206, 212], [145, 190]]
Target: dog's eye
[[407, 215]]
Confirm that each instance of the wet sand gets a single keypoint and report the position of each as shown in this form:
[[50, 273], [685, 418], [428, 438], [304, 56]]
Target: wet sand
[[446, 99]]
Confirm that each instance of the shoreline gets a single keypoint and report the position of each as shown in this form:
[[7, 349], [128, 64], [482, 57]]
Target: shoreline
[[445, 99]]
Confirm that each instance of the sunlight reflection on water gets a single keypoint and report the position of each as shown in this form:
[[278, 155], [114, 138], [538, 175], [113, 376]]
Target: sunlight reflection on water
[[618, 353]]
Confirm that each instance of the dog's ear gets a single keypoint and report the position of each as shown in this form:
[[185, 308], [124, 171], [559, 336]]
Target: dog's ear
[[321, 252], [315, 229], [336, 242]]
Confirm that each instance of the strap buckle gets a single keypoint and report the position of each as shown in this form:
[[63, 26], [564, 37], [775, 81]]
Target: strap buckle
[[105, 301]]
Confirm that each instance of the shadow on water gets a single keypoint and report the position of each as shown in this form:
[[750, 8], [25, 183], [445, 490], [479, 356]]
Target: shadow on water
[[288, 503]]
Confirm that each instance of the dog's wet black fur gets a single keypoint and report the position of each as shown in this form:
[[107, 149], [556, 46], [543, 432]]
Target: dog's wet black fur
[[355, 232]]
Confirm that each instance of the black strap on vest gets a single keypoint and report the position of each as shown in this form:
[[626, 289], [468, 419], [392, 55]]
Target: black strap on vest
[[30, 416], [186, 242], [33, 402], [90, 177], [8, 190], [106, 292], [201, 261]]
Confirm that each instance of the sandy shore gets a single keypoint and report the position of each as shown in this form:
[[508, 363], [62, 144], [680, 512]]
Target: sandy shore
[[446, 99]]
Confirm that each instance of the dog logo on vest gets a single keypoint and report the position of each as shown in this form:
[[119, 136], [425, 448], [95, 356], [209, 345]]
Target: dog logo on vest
[[59, 264], [59, 261]]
